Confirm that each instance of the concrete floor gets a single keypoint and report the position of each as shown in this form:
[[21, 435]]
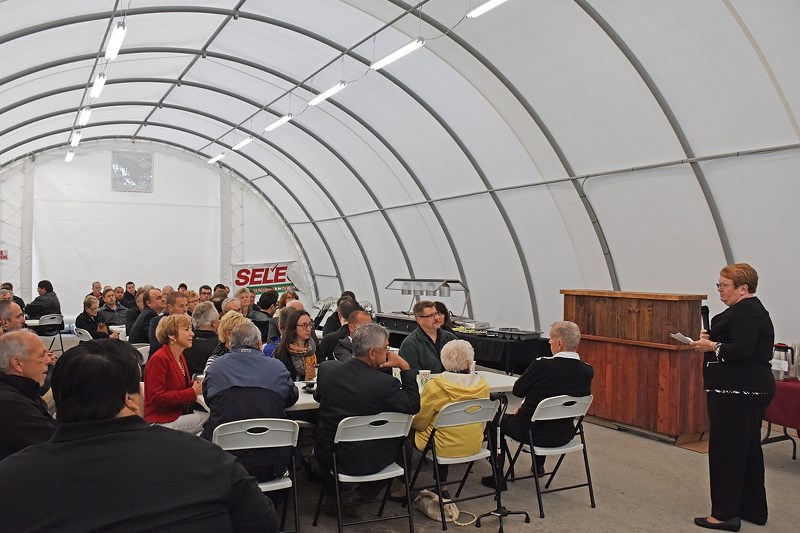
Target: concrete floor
[[640, 485]]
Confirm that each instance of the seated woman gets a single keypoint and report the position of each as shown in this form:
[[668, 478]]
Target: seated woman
[[287, 296], [169, 391], [230, 320], [455, 384], [297, 350], [88, 320]]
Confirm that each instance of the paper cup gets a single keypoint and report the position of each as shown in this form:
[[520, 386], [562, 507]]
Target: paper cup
[[424, 376]]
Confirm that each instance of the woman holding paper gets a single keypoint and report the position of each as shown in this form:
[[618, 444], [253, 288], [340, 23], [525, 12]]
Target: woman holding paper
[[739, 386]]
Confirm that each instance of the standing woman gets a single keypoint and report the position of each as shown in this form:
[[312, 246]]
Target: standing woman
[[169, 391], [739, 386], [297, 350]]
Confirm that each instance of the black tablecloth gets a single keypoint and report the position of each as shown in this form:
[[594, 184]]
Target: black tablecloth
[[504, 354]]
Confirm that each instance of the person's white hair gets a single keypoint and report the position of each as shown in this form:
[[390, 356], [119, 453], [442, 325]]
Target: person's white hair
[[13, 344], [204, 314], [367, 337], [568, 332], [457, 356]]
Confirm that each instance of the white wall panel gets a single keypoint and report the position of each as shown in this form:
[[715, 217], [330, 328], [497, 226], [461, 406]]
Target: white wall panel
[[659, 230], [758, 198], [84, 231]]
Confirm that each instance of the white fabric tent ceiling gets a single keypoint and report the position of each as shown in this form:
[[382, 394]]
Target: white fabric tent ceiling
[[634, 145]]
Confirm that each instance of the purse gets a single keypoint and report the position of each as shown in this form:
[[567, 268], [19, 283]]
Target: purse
[[428, 504]]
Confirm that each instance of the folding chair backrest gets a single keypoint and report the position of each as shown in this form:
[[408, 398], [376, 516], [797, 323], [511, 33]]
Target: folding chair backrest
[[51, 320], [82, 334], [256, 433], [145, 351], [466, 412], [373, 427], [563, 406]]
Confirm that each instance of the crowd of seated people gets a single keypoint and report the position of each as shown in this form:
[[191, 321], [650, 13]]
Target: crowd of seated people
[[223, 359]]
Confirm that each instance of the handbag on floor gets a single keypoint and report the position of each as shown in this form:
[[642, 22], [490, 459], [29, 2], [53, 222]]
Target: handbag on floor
[[428, 504]]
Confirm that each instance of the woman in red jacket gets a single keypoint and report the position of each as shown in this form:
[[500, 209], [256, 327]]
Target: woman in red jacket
[[169, 391]]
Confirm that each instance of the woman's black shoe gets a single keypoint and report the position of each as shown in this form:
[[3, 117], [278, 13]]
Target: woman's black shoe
[[734, 524]]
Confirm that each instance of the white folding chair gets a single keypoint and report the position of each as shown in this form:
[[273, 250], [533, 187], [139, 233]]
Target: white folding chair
[[145, 351], [555, 408], [54, 319], [82, 334], [367, 428], [463, 413], [258, 433]]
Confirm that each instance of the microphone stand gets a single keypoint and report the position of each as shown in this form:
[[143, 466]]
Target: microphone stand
[[495, 438]]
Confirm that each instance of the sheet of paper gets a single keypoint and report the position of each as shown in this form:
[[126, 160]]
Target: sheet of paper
[[680, 337]]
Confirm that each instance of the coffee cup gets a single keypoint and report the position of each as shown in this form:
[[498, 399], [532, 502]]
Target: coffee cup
[[424, 376]]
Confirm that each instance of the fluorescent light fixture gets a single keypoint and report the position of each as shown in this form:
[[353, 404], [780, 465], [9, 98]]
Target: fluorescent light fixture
[[115, 41], [280, 122], [321, 97], [483, 8], [397, 54], [69, 156], [216, 158], [97, 87], [242, 143], [83, 116], [76, 138]]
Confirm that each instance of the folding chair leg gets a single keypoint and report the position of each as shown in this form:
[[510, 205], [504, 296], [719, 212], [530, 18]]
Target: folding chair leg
[[553, 473], [464, 479], [588, 476], [538, 487], [285, 508], [510, 476], [385, 497], [319, 501]]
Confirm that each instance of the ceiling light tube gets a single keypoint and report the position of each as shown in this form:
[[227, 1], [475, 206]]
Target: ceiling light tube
[[83, 116], [69, 156], [216, 158], [321, 97], [397, 54], [280, 122], [97, 87], [483, 8], [76, 138], [115, 41], [242, 143]]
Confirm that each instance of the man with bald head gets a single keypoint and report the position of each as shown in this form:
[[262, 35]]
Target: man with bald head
[[24, 419], [344, 349]]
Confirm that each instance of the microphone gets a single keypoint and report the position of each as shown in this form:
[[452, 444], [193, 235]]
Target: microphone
[[704, 315]]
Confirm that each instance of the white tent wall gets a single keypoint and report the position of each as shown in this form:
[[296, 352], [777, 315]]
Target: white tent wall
[[542, 146], [84, 231]]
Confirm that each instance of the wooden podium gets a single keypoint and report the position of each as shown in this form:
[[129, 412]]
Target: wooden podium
[[643, 378]]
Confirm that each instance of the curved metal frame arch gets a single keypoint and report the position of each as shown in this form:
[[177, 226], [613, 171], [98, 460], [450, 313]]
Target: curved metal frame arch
[[258, 18], [205, 137], [671, 119]]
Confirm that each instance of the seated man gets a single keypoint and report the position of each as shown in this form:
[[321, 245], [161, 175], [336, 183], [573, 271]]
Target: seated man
[[205, 321], [24, 419], [564, 373], [177, 304], [334, 321], [357, 387], [263, 313], [423, 345], [112, 313], [329, 341], [344, 348], [45, 304], [9, 287], [134, 312], [168, 480], [153, 304], [244, 384], [11, 316]]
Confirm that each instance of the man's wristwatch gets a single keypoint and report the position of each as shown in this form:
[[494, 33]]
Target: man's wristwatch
[[717, 346]]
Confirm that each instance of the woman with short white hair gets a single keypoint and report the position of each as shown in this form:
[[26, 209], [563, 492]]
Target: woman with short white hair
[[455, 384]]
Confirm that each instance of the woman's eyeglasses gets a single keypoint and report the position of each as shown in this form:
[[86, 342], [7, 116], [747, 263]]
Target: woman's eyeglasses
[[307, 325]]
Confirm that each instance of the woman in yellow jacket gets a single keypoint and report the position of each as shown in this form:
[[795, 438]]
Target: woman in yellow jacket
[[455, 384]]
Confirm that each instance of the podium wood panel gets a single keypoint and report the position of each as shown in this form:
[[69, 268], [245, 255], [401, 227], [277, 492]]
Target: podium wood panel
[[643, 378]]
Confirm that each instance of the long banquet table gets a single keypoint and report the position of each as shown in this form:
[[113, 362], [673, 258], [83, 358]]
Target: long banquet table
[[497, 383]]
